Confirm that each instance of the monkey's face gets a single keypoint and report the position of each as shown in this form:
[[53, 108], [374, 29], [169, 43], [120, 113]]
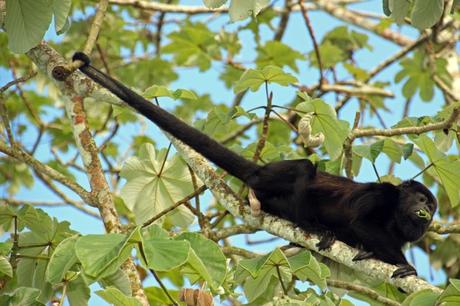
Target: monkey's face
[[417, 206]]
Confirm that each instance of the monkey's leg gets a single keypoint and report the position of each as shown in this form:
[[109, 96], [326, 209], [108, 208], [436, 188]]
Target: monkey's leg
[[254, 203]]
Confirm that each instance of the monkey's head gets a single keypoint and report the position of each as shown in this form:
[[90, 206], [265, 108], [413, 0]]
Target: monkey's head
[[417, 206]]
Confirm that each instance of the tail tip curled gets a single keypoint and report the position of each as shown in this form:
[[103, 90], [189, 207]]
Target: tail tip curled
[[80, 56]]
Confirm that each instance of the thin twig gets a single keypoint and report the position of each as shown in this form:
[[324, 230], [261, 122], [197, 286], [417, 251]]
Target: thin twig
[[19, 154], [160, 23], [408, 130], [362, 290], [284, 19], [313, 39], [164, 160], [96, 26], [263, 137], [17, 81]]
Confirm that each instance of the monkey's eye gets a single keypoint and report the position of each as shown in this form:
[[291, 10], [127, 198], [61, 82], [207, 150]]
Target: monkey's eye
[[422, 198]]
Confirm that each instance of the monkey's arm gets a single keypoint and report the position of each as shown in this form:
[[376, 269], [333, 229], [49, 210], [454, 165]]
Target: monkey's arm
[[200, 142], [383, 247]]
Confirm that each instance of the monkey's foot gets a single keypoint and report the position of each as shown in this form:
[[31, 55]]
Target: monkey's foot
[[327, 239], [362, 254], [254, 203], [404, 270]]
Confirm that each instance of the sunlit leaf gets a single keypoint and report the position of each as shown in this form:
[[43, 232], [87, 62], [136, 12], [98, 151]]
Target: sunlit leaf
[[116, 297], [26, 22], [426, 13], [154, 184]]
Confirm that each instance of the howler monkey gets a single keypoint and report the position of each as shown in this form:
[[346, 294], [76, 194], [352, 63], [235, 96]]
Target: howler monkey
[[377, 218]]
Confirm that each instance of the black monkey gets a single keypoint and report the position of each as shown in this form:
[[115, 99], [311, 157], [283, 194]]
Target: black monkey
[[378, 218]]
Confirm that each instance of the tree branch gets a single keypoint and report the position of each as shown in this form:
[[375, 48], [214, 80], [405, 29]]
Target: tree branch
[[47, 59]]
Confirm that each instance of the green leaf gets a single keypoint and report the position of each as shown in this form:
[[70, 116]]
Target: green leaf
[[426, 85], [425, 297], [61, 9], [451, 295], [330, 55], [116, 297], [254, 265], [78, 292], [447, 170], [193, 45], [165, 254], [230, 76], [306, 267], [262, 285], [399, 9], [214, 3], [252, 79], [42, 225], [62, 260], [206, 258], [426, 13], [392, 150], [154, 185], [241, 9], [119, 280], [157, 296], [278, 54], [325, 121], [112, 251], [26, 22], [184, 94], [263, 271], [153, 231], [386, 7], [407, 150], [5, 267], [6, 217], [21, 296], [157, 91]]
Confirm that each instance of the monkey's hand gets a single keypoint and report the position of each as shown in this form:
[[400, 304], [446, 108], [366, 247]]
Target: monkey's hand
[[327, 239], [404, 270]]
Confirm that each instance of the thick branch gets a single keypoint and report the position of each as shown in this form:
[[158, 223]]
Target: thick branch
[[47, 59]]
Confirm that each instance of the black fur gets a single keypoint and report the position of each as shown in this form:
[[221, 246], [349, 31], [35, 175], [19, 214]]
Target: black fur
[[377, 218]]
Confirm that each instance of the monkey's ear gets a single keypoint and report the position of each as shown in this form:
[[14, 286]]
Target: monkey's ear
[[405, 184]]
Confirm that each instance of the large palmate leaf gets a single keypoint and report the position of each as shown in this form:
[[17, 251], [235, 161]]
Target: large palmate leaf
[[154, 184]]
